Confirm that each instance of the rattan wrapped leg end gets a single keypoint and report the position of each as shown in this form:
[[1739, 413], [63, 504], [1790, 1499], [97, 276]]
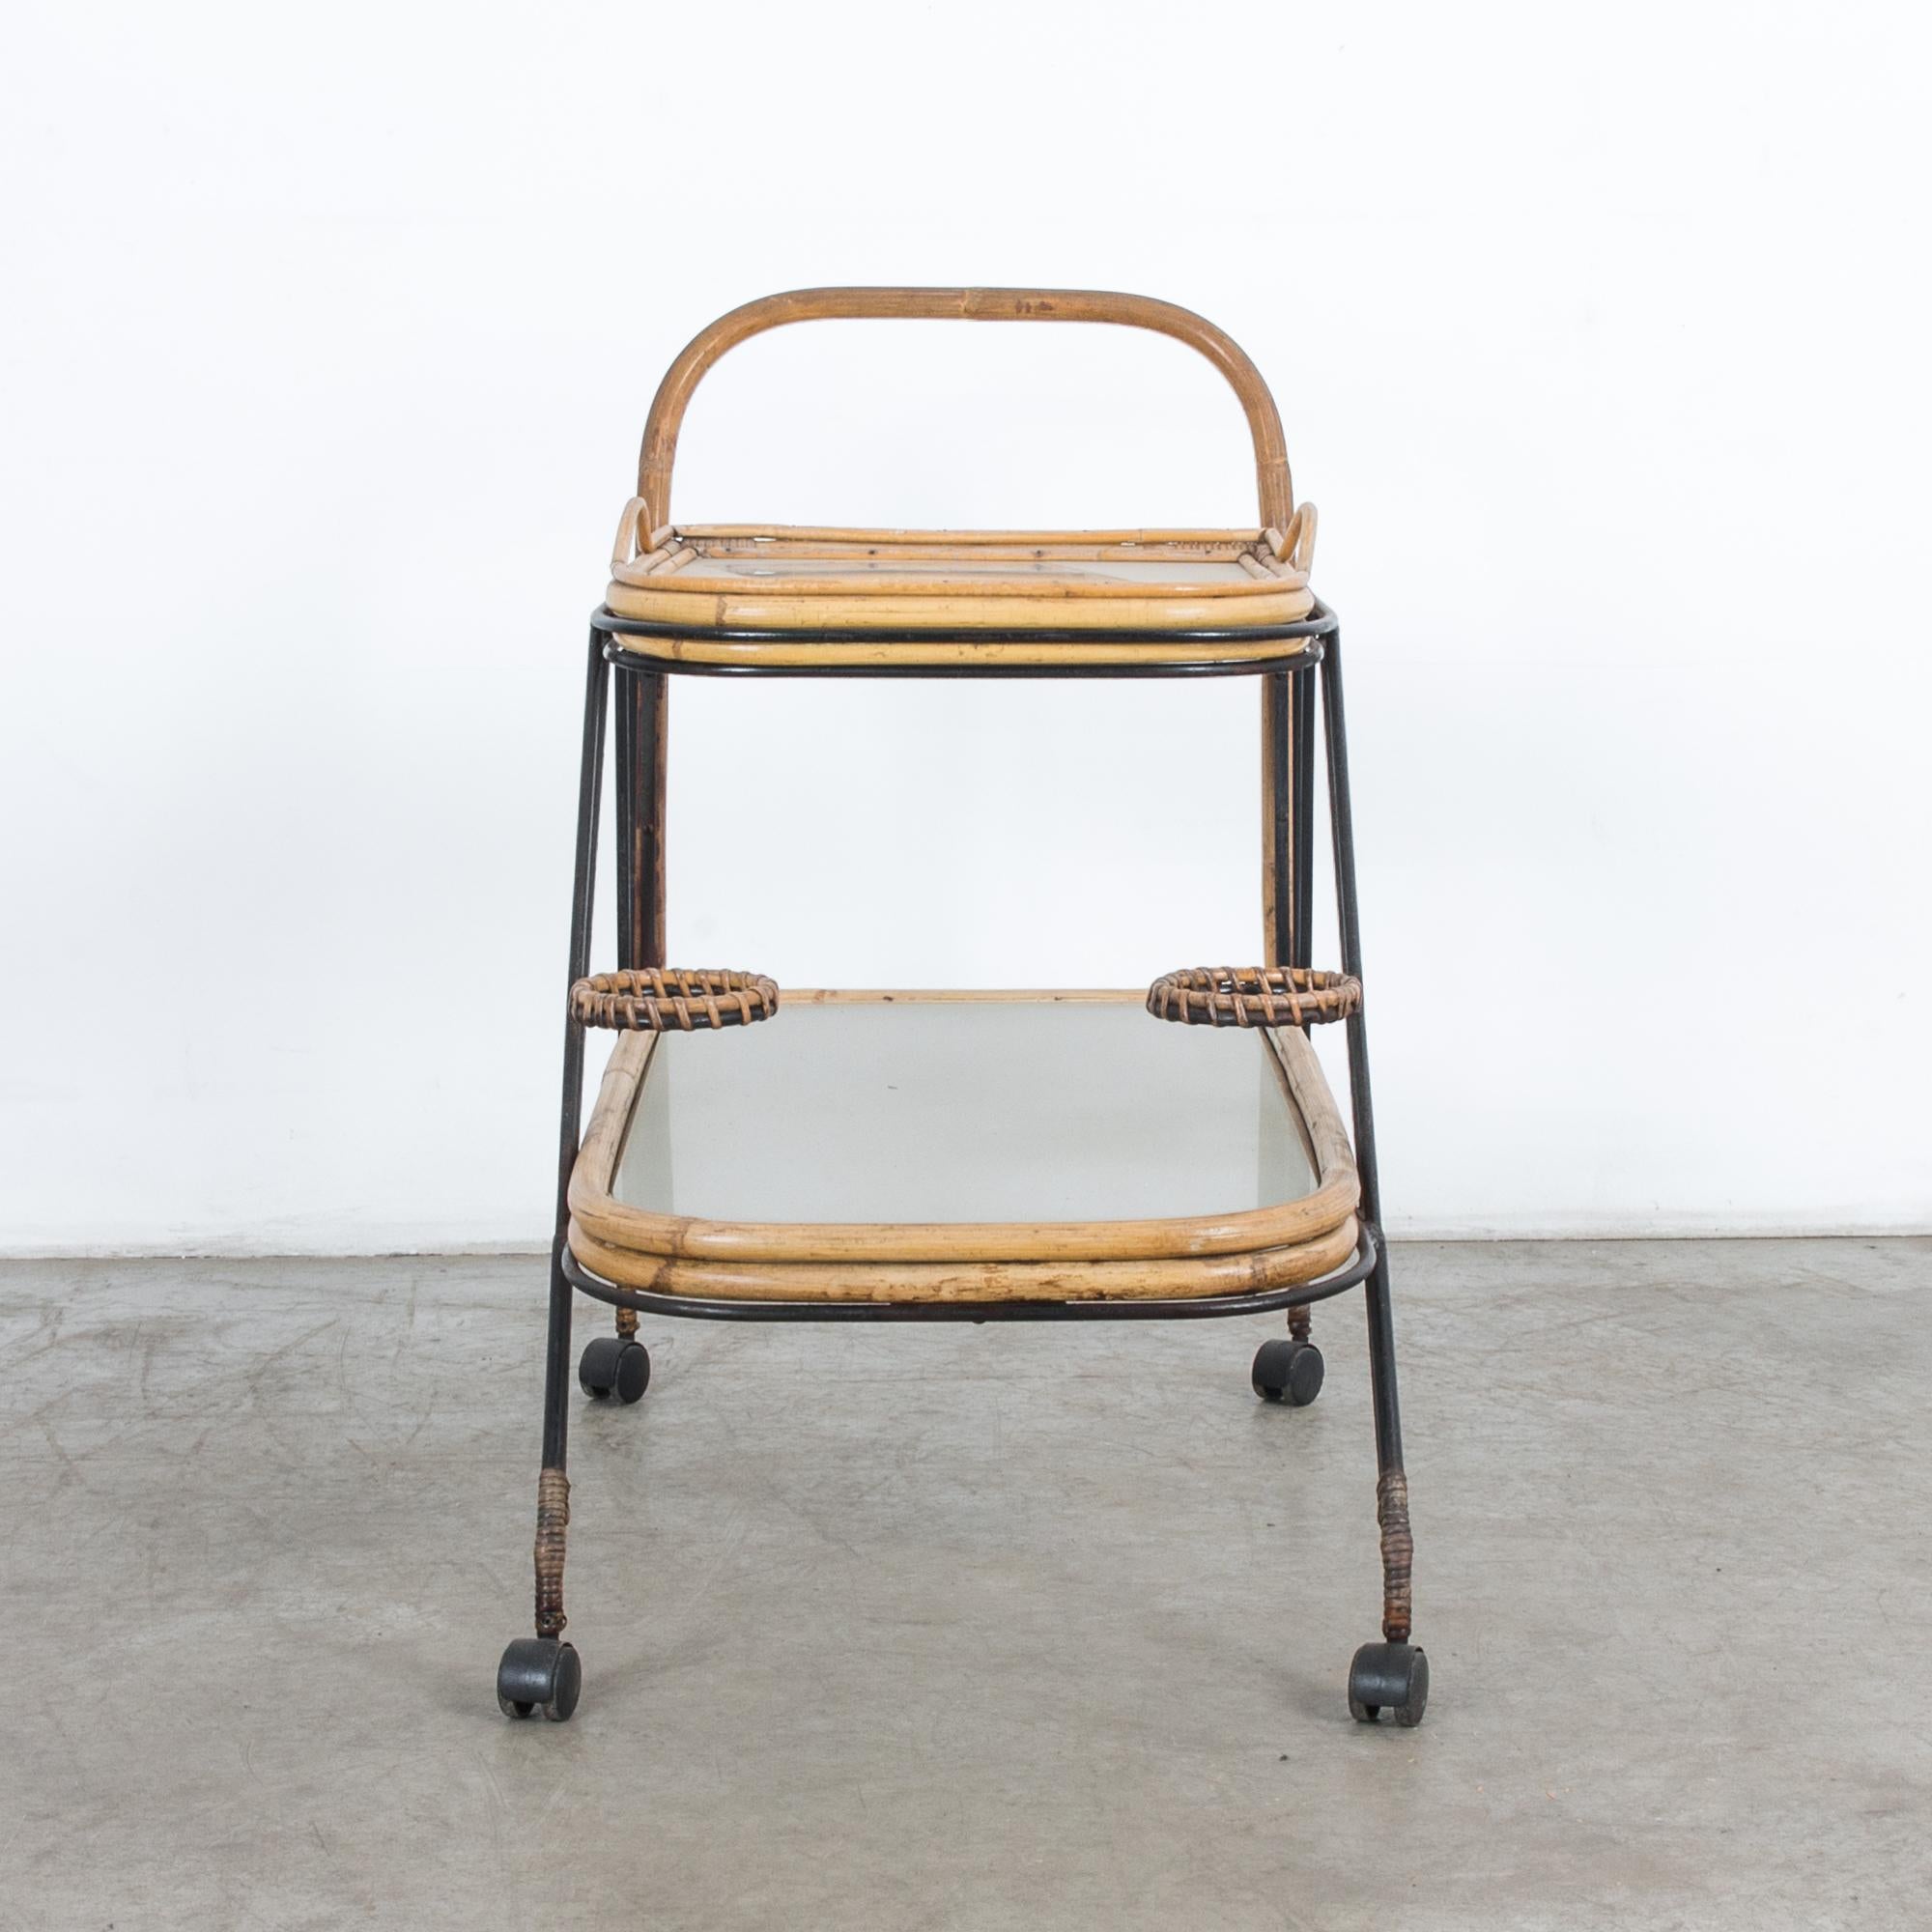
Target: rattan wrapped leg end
[[1397, 1553], [553, 1528]]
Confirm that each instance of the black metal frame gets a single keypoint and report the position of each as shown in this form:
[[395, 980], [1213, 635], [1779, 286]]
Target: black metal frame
[[1288, 710], [1306, 636]]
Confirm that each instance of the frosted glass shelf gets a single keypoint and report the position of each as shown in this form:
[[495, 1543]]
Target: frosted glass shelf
[[962, 1111]]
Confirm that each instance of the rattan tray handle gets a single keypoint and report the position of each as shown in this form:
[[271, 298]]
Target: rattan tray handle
[[660, 450], [667, 999], [1253, 996]]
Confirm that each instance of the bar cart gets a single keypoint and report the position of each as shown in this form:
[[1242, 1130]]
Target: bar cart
[[834, 1155]]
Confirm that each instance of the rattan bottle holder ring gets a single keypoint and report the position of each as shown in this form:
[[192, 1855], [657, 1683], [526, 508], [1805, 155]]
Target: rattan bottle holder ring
[[667, 999], [1253, 996]]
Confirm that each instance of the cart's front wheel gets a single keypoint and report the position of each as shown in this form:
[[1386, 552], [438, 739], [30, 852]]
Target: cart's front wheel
[[539, 1673], [1288, 1372], [612, 1365], [1391, 1677]]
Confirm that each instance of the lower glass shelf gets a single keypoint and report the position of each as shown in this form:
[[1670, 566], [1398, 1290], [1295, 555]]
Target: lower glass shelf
[[963, 1147]]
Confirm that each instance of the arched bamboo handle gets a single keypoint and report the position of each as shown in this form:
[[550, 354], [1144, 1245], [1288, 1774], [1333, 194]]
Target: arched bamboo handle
[[1274, 485]]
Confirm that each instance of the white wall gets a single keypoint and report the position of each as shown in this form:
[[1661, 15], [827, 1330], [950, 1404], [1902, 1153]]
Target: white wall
[[1600, 339]]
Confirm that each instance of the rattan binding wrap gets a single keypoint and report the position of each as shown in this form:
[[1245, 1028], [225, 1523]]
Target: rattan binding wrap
[[1253, 996], [553, 1528], [662, 999]]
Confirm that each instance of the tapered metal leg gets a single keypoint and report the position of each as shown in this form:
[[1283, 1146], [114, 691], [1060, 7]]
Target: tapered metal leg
[[1392, 1486], [554, 1487]]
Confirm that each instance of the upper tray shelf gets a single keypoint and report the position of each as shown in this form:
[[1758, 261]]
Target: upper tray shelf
[[783, 595], [735, 578]]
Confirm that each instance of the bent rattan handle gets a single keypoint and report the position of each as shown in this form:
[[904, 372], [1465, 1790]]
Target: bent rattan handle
[[1274, 487], [1253, 996], [661, 999]]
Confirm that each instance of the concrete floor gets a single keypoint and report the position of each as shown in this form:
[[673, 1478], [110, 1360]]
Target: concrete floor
[[972, 1628]]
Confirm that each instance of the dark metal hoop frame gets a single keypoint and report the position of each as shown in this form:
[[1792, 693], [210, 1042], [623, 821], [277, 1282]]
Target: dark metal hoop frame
[[1306, 635]]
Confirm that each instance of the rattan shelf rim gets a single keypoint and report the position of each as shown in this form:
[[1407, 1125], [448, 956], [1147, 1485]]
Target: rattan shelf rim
[[1319, 622], [1194, 1308]]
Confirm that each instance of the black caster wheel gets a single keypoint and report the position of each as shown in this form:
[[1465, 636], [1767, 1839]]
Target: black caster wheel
[[539, 1673], [613, 1366], [1288, 1372], [1391, 1677]]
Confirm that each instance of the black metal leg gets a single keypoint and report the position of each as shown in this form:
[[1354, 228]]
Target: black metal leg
[[1301, 920], [641, 706], [1291, 1372], [640, 697], [1391, 1675], [590, 784], [542, 1673], [1287, 778], [627, 878], [1278, 828], [1301, 952], [624, 734]]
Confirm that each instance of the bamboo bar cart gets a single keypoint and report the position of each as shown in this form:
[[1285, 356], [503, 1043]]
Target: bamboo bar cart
[[877, 1157]]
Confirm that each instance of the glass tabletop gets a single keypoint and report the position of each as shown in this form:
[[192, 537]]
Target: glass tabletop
[[962, 1110]]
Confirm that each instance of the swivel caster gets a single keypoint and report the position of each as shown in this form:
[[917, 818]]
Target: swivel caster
[[613, 1366], [539, 1673], [1288, 1372], [1391, 1677]]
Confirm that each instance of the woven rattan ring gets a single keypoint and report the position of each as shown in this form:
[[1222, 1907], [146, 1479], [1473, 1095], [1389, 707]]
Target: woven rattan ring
[[1253, 996], [662, 999]]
